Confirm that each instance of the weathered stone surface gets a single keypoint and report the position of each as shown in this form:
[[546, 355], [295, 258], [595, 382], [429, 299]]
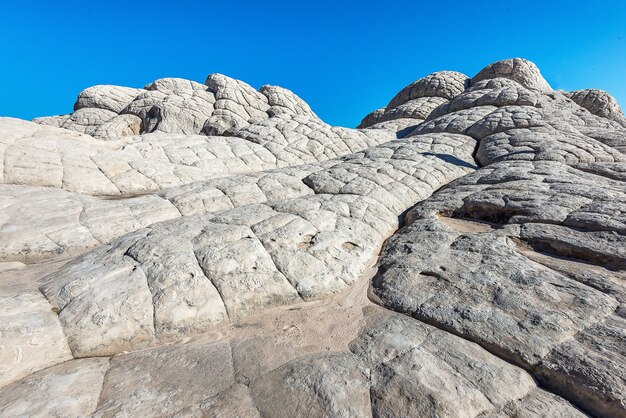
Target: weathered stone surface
[[160, 382], [70, 389], [172, 106], [590, 367], [234, 191], [479, 286], [517, 69], [324, 385], [78, 222], [38, 222], [254, 256], [401, 126], [416, 101], [525, 258], [487, 93], [55, 121], [283, 101], [458, 122], [599, 103], [211, 250], [118, 126], [87, 120], [236, 98], [369, 120], [419, 109], [324, 358], [418, 370], [40, 155], [537, 403], [232, 402], [445, 84], [31, 337], [106, 97]]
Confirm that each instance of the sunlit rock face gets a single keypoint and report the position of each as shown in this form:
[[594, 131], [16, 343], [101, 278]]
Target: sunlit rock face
[[189, 249]]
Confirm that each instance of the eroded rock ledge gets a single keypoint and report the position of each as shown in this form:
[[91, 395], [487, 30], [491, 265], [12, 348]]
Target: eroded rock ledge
[[193, 249]]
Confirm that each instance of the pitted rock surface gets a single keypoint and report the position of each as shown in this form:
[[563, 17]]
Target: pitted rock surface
[[189, 250]]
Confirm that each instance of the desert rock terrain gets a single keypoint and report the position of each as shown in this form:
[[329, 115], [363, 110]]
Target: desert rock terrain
[[213, 250]]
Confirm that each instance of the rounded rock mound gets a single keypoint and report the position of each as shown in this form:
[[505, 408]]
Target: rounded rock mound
[[445, 84], [520, 70], [598, 102]]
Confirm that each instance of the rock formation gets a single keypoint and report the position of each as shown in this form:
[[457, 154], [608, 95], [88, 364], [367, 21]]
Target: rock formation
[[195, 250]]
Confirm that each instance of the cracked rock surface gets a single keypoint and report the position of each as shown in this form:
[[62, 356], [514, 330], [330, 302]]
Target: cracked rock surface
[[201, 250]]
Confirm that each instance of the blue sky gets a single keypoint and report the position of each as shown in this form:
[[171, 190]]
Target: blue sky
[[344, 58]]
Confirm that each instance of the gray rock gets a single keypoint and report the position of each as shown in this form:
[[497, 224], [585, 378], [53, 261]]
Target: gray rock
[[599, 103], [118, 126], [418, 370], [106, 97], [69, 389], [193, 249], [237, 98], [590, 368], [483, 94], [254, 256], [445, 84], [275, 364], [537, 403], [324, 385], [283, 101], [523, 71], [418, 100], [40, 155], [172, 106], [87, 120], [516, 258], [56, 121], [31, 334], [232, 402], [162, 381]]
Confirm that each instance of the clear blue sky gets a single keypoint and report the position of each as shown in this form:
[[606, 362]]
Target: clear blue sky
[[344, 58]]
